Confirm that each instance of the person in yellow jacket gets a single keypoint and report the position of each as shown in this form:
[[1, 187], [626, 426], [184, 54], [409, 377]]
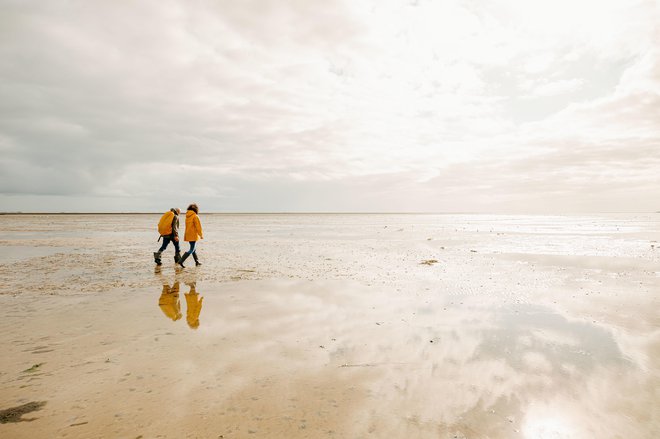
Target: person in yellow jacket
[[193, 306], [192, 234]]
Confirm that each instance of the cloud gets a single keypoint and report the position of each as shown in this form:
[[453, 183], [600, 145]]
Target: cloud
[[252, 98], [554, 88]]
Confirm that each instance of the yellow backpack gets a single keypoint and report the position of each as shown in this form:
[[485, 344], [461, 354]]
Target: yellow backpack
[[165, 223]]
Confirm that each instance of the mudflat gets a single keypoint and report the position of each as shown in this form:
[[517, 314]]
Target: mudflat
[[397, 326]]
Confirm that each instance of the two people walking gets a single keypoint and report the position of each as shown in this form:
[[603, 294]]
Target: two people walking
[[168, 228]]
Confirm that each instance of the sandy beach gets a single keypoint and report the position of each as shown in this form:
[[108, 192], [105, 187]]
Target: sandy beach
[[337, 325]]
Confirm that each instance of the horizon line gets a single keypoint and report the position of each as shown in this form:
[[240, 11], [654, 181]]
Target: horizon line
[[332, 213]]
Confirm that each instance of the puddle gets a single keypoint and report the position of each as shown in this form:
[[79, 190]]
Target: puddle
[[530, 335], [319, 359], [604, 263]]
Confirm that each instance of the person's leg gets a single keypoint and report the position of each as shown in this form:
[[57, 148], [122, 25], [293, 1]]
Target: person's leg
[[188, 253], [166, 241], [177, 250], [194, 255]]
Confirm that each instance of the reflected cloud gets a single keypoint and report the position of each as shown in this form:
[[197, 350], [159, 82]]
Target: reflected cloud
[[548, 426], [464, 366], [524, 331]]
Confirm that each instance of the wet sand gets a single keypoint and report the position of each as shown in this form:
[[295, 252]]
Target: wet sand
[[332, 326]]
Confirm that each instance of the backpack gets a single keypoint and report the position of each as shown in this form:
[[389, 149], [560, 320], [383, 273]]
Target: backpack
[[165, 223]]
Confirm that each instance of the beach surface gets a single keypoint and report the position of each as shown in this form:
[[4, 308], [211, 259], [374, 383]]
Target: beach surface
[[335, 325]]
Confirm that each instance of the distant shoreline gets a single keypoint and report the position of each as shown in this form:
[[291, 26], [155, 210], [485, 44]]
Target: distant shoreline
[[259, 213], [325, 213]]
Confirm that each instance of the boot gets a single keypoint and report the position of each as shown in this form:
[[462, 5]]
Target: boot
[[157, 258], [182, 260], [197, 263], [177, 257]]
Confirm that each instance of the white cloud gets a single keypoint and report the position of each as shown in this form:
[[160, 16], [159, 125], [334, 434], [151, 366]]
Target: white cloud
[[264, 97], [562, 86]]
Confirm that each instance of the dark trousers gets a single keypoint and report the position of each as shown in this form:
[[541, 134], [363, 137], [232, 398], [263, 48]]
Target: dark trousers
[[192, 247], [166, 241]]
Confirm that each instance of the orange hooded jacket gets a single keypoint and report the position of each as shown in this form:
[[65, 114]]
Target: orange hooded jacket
[[193, 227], [194, 307]]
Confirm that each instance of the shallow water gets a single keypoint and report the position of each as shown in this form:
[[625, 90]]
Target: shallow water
[[321, 359], [330, 326], [89, 253], [24, 252]]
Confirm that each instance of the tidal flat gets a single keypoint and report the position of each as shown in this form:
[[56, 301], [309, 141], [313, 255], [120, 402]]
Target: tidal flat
[[336, 325]]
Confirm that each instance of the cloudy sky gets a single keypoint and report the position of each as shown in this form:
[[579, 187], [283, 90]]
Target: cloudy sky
[[356, 105]]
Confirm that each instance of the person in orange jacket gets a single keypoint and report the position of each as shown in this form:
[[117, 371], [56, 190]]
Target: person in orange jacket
[[169, 301], [192, 233]]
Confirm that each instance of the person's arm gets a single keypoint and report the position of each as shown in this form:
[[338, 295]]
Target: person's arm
[[175, 227], [198, 225]]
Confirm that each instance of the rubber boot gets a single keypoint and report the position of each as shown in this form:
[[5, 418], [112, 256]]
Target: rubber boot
[[177, 257], [157, 258], [183, 259], [197, 263]]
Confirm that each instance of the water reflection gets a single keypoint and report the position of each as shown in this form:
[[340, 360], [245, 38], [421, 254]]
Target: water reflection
[[548, 425], [170, 304], [437, 365], [169, 301], [193, 306], [532, 337]]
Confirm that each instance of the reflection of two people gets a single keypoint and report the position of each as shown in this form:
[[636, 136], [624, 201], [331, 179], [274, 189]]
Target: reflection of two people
[[171, 306]]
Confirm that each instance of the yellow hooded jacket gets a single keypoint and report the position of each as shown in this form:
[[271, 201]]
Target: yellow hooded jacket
[[193, 227], [194, 307]]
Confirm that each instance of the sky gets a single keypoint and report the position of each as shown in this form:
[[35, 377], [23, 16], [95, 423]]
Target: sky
[[504, 106]]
